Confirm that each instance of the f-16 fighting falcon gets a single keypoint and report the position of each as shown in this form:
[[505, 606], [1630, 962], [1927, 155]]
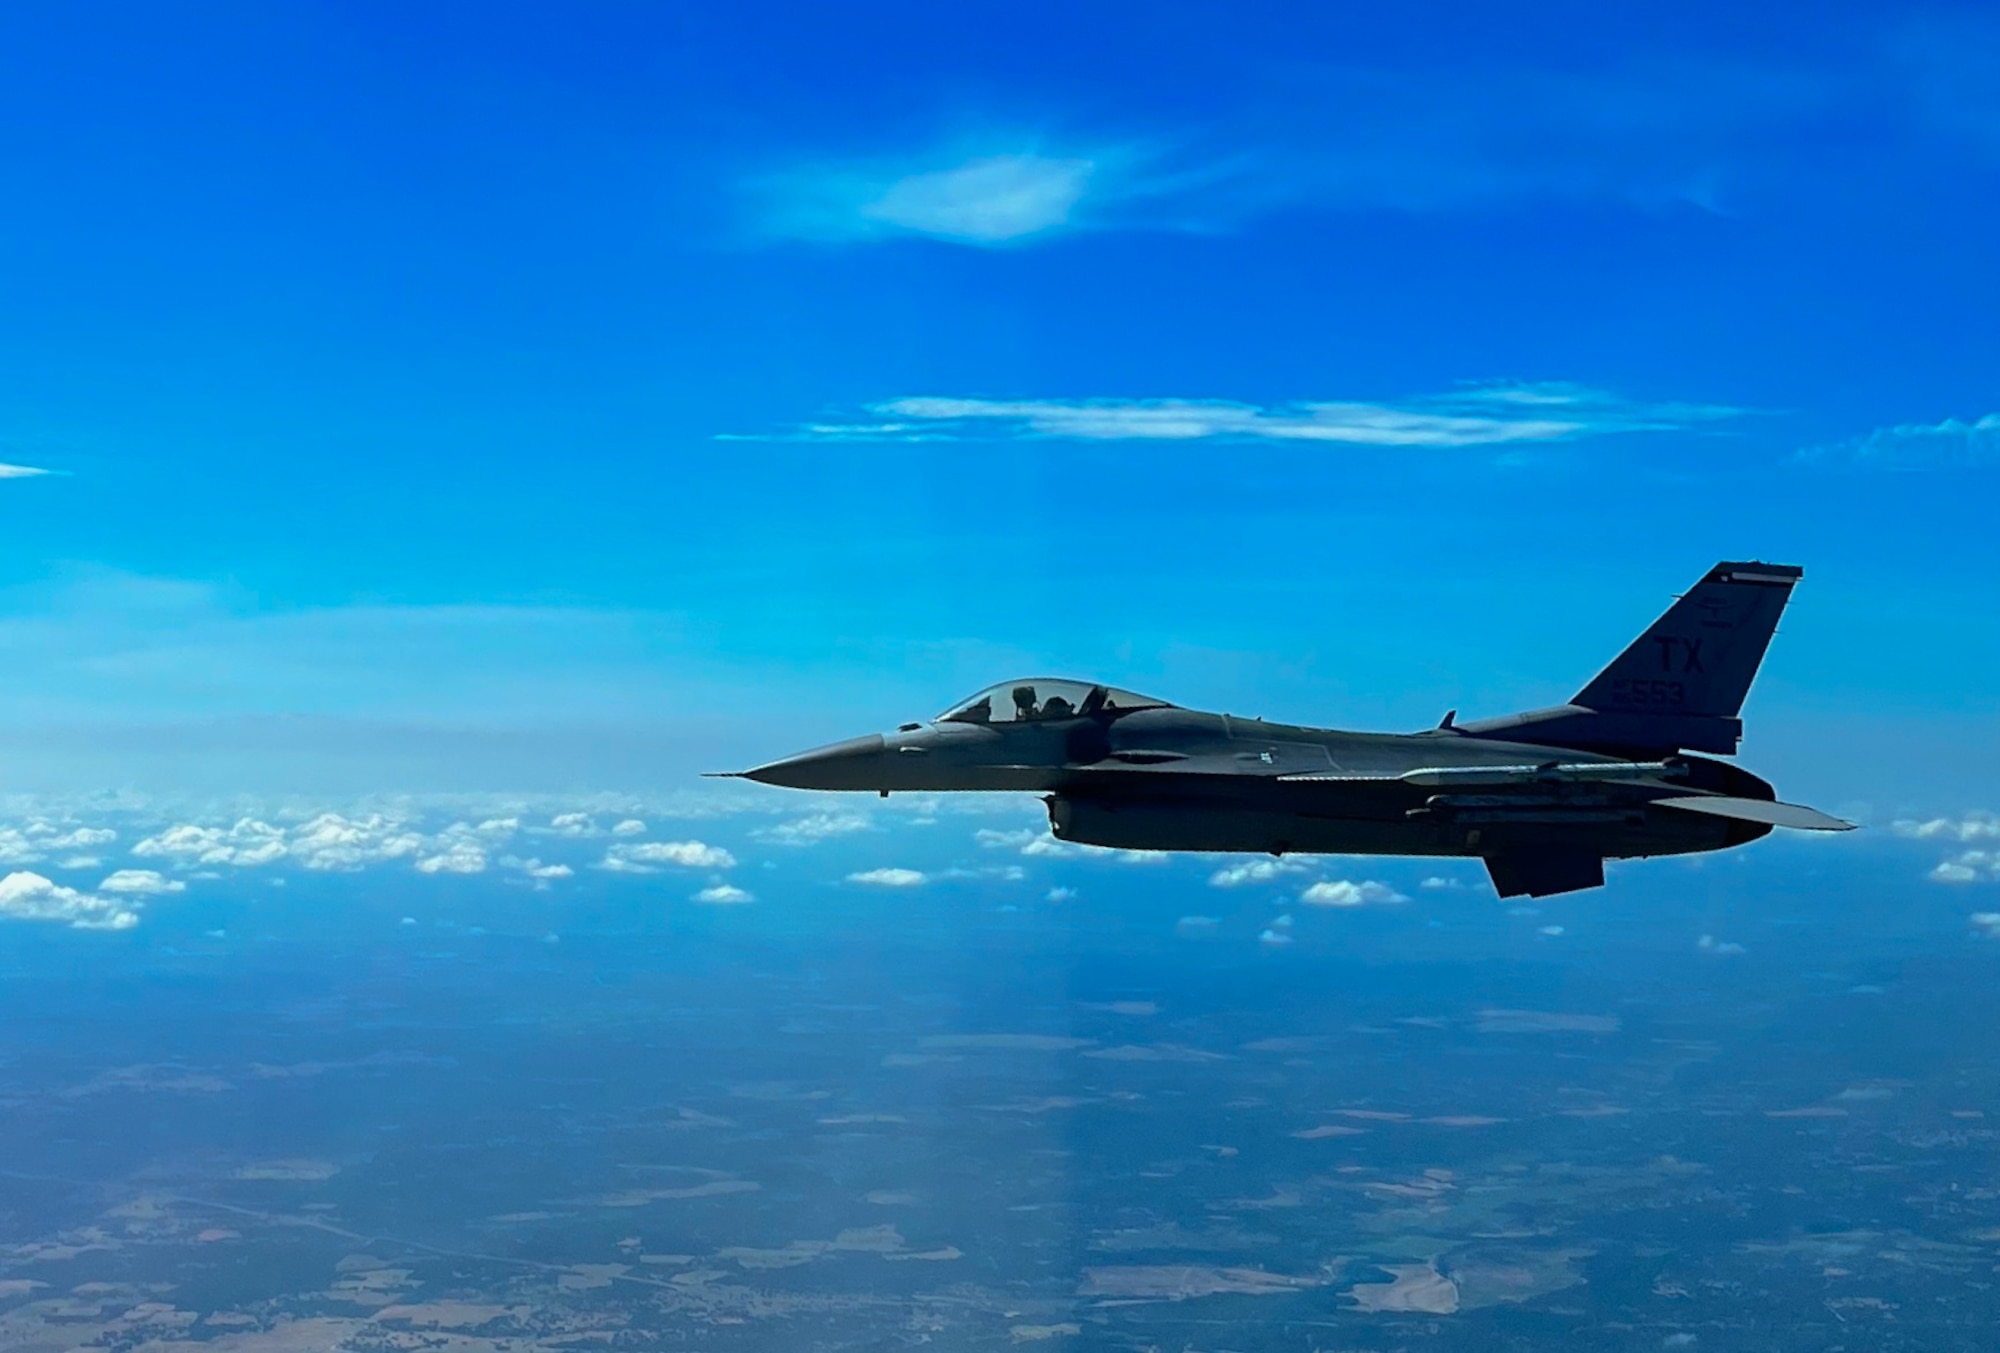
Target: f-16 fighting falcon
[[1543, 798]]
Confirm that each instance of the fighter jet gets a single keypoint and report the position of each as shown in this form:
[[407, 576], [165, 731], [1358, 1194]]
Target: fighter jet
[[1543, 798]]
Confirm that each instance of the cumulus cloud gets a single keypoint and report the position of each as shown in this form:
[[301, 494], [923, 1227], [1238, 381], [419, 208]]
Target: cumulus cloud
[[1476, 415], [890, 878], [1708, 944], [140, 881], [723, 895], [1275, 938], [331, 842], [1036, 844], [17, 848], [1947, 445], [1968, 866], [642, 857], [535, 869], [1253, 871], [1346, 893], [27, 896], [39, 837], [1973, 826], [457, 857], [247, 844], [630, 826], [1985, 924], [1194, 926], [814, 828]]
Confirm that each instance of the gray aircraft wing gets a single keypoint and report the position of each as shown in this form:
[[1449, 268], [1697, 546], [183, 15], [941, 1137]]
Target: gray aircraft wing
[[1759, 810]]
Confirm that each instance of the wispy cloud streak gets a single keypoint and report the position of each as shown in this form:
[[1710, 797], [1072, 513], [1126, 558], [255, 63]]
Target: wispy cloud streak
[[977, 199], [1952, 444], [1478, 415]]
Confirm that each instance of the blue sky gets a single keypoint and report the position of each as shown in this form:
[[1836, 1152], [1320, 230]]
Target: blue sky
[[513, 397]]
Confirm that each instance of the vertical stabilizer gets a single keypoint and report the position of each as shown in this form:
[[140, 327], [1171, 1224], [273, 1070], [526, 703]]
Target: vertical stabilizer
[[1701, 656], [1681, 684]]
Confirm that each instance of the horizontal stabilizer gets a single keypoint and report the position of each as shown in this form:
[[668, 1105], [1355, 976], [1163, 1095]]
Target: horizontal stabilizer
[[1760, 810], [1542, 872]]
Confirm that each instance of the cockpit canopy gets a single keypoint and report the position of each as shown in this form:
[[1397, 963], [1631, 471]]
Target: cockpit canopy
[[1032, 699]]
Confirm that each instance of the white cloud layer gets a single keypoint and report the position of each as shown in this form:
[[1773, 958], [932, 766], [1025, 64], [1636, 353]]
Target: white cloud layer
[[1478, 415], [27, 896]]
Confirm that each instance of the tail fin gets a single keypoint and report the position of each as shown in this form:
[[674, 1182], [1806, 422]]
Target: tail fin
[[1681, 684], [1699, 658]]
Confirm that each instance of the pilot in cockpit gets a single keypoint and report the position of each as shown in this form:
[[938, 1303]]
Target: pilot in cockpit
[[1024, 703]]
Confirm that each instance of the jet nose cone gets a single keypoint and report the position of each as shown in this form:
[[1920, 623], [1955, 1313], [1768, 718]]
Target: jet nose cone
[[853, 764]]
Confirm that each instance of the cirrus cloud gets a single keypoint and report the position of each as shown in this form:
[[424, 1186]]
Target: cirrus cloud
[[989, 197], [1950, 444], [1480, 414]]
